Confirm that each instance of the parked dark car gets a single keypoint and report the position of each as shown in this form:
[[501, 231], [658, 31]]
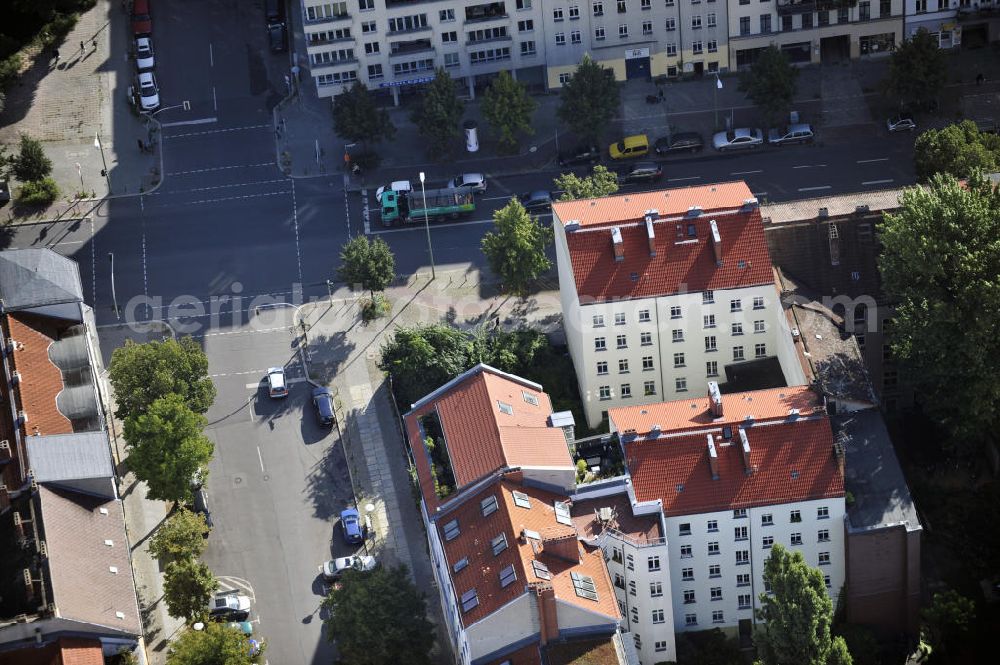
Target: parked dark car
[[540, 201], [142, 22], [323, 401], [277, 37], [679, 142], [581, 154], [4, 192], [640, 172], [201, 506]]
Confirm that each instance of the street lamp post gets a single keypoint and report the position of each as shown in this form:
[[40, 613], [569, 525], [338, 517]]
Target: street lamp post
[[427, 225], [104, 161], [114, 296], [715, 98]]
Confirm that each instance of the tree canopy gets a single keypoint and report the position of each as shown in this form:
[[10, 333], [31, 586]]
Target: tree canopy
[[940, 263], [957, 150], [379, 618], [797, 615], [166, 448], [369, 263], [439, 113], [142, 373], [357, 118], [188, 585], [771, 83], [589, 100], [601, 182], [508, 108], [515, 249], [217, 644], [917, 71], [31, 162], [181, 536], [947, 618]]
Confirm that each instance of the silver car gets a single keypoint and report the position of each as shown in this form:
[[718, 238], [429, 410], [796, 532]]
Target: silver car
[[148, 92], [144, 60], [736, 139], [474, 181], [801, 133]]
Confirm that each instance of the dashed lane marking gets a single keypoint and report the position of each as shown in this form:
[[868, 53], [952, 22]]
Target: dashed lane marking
[[878, 182], [217, 187], [221, 168], [810, 166], [217, 131], [232, 198], [814, 189], [870, 161], [747, 172]]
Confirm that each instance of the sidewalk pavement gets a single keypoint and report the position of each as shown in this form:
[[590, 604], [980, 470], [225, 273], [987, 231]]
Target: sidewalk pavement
[[67, 104]]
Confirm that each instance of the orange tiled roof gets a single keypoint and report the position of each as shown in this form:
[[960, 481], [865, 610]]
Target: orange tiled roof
[[474, 544], [65, 651], [41, 380], [792, 461], [686, 414], [610, 210], [685, 253], [480, 438]]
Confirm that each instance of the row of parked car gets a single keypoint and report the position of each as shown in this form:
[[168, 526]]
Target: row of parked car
[[144, 93]]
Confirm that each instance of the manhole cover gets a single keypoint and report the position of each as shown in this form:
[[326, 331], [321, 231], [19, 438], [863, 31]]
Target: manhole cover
[[237, 480], [266, 477]]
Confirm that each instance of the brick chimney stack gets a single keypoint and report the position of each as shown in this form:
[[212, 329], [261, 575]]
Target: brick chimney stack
[[650, 235], [561, 543], [714, 399], [548, 618], [745, 448], [616, 241], [716, 242], [713, 457]]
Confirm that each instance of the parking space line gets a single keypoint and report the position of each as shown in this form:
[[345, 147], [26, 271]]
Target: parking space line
[[810, 166], [260, 458], [814, 189], [878, 182], [869, 161], [693, 177], [747, 172], [250, 404]]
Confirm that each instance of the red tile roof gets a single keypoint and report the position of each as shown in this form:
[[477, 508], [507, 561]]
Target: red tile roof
[[481, 439], [683, 264], [41, 380], [792, 461], [474, 543], [611, 210], [66, 651], [688, 414]]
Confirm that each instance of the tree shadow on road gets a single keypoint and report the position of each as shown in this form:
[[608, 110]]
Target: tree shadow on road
[[328, 484], [327, 356]]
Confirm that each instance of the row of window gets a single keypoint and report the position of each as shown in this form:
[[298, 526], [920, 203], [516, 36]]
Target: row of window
[[648, 389], [766, 519], [676, 312], [600, 344]]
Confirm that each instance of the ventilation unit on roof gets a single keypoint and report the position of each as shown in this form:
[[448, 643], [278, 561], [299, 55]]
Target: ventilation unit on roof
[[824, 213], [694, 211], [862, 209], [750, 204], [572, 225], [15, 378]]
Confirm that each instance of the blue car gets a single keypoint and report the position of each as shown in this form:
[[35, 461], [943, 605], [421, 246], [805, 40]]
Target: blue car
[[351, 524]]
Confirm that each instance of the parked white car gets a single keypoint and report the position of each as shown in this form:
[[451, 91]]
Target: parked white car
[[144, 60], [332, 570], [474, 181], [276, 386], [147, 91], [736, 139], [801, 133]]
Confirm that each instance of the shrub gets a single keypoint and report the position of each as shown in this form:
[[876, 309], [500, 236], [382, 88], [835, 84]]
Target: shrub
[[375, 307], [9, 69], [38, 192], [31, 162]]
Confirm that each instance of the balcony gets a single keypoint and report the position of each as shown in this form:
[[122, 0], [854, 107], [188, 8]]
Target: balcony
[[487, 40], [788, 7], [485, 12], [306, 21], [410, 47]]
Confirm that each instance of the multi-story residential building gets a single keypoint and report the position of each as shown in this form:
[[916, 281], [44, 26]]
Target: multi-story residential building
[[663, 291], [395, 45], [67, 589], [816, 31], [733, 475], [979, 20], [936, 17]]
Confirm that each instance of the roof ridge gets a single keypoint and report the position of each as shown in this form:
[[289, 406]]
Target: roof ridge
[[472, 371]]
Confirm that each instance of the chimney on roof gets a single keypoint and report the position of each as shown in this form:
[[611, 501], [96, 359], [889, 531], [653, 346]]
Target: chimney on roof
[[750, 204], [616, 241], [548, 617], [561, 543], [714, 399], [713, 457], [838, 452], [716, 242], [650, 235], [745, 448], [571, 225]]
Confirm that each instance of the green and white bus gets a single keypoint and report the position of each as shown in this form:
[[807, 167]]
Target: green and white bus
[[408, 207]]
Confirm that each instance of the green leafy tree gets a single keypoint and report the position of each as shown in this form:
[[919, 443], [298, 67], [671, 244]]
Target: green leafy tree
[[770, 83], [181, 536], [369, 263], [142, 373], [188, 585], [31, 163], [166, 448], [357, 118], [707, 647], [918, 71], [379, 618], [515, 249], [797, 615], [589, 100], [508, 108], [947, 619], [941, 263], [216, 644], [957, 150], [439, 113], [601, 182]]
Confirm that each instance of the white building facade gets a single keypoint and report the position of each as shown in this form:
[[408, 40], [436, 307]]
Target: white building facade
[[937, 17]]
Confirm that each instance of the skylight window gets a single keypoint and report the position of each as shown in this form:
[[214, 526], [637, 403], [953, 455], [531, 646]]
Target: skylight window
[[541, 570], [451, 530], [529, 398], [506, 408], [521, 500], [507, 576], [489, 505], [584, 586], [461, 564], [562, 513], [499, 543], [470, 600]]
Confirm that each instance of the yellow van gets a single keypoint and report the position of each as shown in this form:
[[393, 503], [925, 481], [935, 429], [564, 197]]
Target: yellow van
[[629, 147]]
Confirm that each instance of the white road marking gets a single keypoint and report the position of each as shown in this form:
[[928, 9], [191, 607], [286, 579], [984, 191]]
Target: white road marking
[[295, 225], [221, 168], [217, 131], [217, 187], [814, 189], [199, 121], [260, 458], [693, 177], [746, 172], [250, 404], [497, 198], [869, 161], [243, 332], [211, 56], [215, 102], [233, 198], [878, 182], [810, 166]]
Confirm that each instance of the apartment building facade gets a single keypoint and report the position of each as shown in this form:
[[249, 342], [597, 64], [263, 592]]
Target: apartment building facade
[[394, 46], [814, 31], [663, 291]]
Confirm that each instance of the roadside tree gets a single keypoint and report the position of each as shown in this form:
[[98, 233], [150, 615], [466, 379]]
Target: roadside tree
[[188, 585], [31, 163], [957, 150], [796, 615], [515, 249], [770, 83], [216, 644], [589, 100], [357, 118], [379, 618], [947, 619], [368, 263], [917, 71], [182, 536], [939, 266], [142, 373], [439, 113], [166, 447], [508, 108], [601, 182]]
